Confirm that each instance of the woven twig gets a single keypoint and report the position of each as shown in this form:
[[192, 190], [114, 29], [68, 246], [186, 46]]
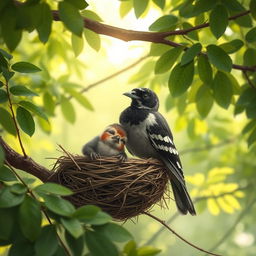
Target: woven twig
[[122, 189]]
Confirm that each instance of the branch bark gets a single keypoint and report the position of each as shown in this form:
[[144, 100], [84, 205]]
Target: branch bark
[[26, 164], [153, 37]]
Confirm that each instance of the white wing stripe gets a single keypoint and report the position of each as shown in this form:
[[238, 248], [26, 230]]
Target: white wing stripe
[[166, 139]]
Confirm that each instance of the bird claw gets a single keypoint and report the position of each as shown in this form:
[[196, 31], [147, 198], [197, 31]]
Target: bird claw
[[94, 156], [122, 157]]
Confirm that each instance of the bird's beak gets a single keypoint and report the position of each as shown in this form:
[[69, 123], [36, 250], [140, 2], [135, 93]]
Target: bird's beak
[[131, 95]]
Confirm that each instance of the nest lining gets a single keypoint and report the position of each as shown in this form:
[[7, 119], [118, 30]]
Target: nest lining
[[122, 189]]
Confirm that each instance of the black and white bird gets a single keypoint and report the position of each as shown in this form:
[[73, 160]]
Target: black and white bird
[[150, 136], [110, 143]]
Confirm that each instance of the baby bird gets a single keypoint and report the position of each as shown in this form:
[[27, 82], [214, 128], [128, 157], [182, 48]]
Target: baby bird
[[110, 143]]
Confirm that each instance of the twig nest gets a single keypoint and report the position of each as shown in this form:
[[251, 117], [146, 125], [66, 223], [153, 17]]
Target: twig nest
[[122, 189]]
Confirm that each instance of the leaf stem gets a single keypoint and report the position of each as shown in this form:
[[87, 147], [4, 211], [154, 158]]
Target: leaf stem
[[44, 212], [14, 119]]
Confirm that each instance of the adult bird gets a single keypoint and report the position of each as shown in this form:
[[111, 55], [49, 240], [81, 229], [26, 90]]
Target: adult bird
[[150, 136]]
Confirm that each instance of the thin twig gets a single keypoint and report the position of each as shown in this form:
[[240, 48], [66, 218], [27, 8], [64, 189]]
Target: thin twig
[[207, 147], [71, 157], [14, 119], [44, 212], [253, 86], [231, 229], [196, 200], [179, 236]]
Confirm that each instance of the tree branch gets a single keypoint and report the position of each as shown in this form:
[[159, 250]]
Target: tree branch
[[179, 236], [26, 164], [231, 229], [153, 37]]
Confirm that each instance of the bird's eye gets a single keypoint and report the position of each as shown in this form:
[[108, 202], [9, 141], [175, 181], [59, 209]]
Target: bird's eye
[[145, 96], [111, 132], [123, 141]]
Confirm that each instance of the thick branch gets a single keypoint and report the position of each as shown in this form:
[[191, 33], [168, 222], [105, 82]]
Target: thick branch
[[26, 164], [154, 37]]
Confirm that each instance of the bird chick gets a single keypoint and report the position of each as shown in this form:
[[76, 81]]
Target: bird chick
[[110, 143]]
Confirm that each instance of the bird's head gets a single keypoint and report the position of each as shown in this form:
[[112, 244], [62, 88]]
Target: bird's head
[[114, 136], [143, 98]]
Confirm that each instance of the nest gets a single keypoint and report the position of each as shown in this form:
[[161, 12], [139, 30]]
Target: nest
[[122, 189]]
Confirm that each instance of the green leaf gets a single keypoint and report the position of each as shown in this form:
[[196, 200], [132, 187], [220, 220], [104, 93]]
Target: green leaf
[[164, 23], [100, 245], [2, 156], [20, 90], [53, 188], [190, 54], [139, 7], [7, 122], [25, 67], [99, 219], [3, 61], [130, 248], [93, 39], [249, 126], [3, 96], [204, 101], [6, 54], [18, 188], [181, 78], [252, 138], [33, 108], [9, 199], [91, 15], [47, 242], [204, 6], [75, 245], [25, 121], [218, 20], [68, 110], [9, 32], [86, 212], [166, 61], [7, 74], [44, 27], [219, 58], [58, 205], [79, 97], [49, 103], [253, 8], [22, 248], [6, 174], [125, 7], [222, 89], [71, 18], [77, 44], [244, 21], [79, 4], [251, 35], [249, 57], [160, 3], [193, 34], [6, 223], [115, 232], [232, 46], [233, 5], [30, 218], [148, 251], [204, 69], [73, 226]]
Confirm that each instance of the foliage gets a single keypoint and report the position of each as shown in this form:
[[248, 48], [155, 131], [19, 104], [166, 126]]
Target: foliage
[[207, 62]]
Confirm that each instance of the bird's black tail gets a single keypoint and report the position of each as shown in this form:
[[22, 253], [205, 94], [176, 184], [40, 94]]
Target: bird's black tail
[[182, 199]]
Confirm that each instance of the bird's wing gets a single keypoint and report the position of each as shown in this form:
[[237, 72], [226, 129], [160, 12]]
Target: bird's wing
[[161, 139]]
